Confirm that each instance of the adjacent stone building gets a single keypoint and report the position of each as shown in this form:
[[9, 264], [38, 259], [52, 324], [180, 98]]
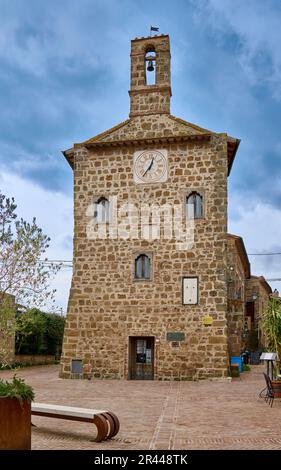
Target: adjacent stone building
[[257, 295], [238, 272], [148, 298]]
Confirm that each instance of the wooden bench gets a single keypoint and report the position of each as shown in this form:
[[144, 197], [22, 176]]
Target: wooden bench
[[106, 422]]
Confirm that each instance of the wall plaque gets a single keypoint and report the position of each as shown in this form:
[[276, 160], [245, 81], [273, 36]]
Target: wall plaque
[[76, 366], [207, 320], [175, 336]]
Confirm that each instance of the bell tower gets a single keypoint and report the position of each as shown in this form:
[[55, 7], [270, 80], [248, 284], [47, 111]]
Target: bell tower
[[148, 298], [150, 55]]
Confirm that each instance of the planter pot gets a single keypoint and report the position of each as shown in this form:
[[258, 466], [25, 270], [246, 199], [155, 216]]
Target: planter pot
[[276, 385], [234, 368], [15, 424]]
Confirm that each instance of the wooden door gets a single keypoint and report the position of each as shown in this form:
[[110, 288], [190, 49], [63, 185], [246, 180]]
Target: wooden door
[[141, 358]]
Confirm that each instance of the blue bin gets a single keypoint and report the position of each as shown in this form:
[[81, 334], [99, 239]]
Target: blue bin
[[237, 360], [255, 358]]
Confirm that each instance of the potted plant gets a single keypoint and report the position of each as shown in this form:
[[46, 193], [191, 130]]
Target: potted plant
[[271, 327], [15, 414]]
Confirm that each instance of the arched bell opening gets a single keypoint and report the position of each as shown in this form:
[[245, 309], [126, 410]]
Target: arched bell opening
[[150, 66]]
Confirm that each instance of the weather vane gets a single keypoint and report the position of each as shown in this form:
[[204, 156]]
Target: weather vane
[[153, 28]]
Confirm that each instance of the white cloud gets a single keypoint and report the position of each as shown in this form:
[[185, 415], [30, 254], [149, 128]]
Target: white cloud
[[68, 36], [30, 47], [257, 27], [260, 227], [53, 211]]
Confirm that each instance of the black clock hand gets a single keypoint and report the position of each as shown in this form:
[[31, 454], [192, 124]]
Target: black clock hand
[[149, 167]]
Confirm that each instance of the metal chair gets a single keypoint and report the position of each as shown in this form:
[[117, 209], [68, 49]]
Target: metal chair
[[267, 392]]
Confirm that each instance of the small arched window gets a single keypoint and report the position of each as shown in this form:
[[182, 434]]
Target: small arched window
[[102, 210], [142, 267], [194, 206], [150, 66]]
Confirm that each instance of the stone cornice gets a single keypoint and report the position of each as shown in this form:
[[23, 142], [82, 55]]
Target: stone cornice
[[150, 89], [151, 38], [145, 141], [146, 113], [232, 147], [232, 144], [69, 154]]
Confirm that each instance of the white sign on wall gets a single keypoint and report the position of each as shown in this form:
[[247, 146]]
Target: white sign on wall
[[190, 290]]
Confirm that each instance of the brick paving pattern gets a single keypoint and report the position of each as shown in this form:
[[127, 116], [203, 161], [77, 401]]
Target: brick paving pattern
[[158, 415]]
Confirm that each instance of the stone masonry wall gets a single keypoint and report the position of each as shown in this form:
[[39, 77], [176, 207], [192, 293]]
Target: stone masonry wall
[[255, 286], [149, 127], [236, 298], [150, 99], [106, 306]]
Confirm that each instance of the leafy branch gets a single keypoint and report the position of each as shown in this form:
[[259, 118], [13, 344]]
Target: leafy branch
[[16, 388], [271, 325], [23, 274]]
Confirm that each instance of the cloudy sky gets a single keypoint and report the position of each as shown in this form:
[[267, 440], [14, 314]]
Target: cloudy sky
[[64, 77]]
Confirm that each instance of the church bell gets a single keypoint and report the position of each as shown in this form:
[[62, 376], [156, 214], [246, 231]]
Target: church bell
[[150, 66]]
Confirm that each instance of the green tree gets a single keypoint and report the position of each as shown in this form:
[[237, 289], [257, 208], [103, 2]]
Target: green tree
[[7, 330], [54, 333], [30, 330], [39, 333], [271, 326], [23, 273]]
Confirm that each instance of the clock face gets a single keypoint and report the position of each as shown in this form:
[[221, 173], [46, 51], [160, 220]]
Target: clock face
[[150, 166]]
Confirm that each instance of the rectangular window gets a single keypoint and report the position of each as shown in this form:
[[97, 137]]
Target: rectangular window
[[190, 290]]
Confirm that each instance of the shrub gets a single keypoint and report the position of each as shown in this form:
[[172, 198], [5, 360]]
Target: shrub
[[39, 333], [271, 326], [16, 388]]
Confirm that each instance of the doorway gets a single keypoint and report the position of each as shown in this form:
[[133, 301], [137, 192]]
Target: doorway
[[250, 315], [141, 358]]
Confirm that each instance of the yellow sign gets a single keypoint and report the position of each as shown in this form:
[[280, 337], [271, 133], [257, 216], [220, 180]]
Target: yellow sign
[[207, 320]]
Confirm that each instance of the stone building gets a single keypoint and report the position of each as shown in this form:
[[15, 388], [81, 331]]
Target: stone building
[[238, 272], [148, 298], [258, 292]]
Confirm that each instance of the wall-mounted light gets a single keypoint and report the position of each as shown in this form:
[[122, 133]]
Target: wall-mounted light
[[254, 296]]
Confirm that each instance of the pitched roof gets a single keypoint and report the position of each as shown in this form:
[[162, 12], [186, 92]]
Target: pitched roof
[[264, 283], [239, 243], [172, 127], [232, 142], [106, 133]]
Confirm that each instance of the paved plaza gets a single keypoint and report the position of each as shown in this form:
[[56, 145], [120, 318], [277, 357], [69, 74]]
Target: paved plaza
[[158, 415]]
